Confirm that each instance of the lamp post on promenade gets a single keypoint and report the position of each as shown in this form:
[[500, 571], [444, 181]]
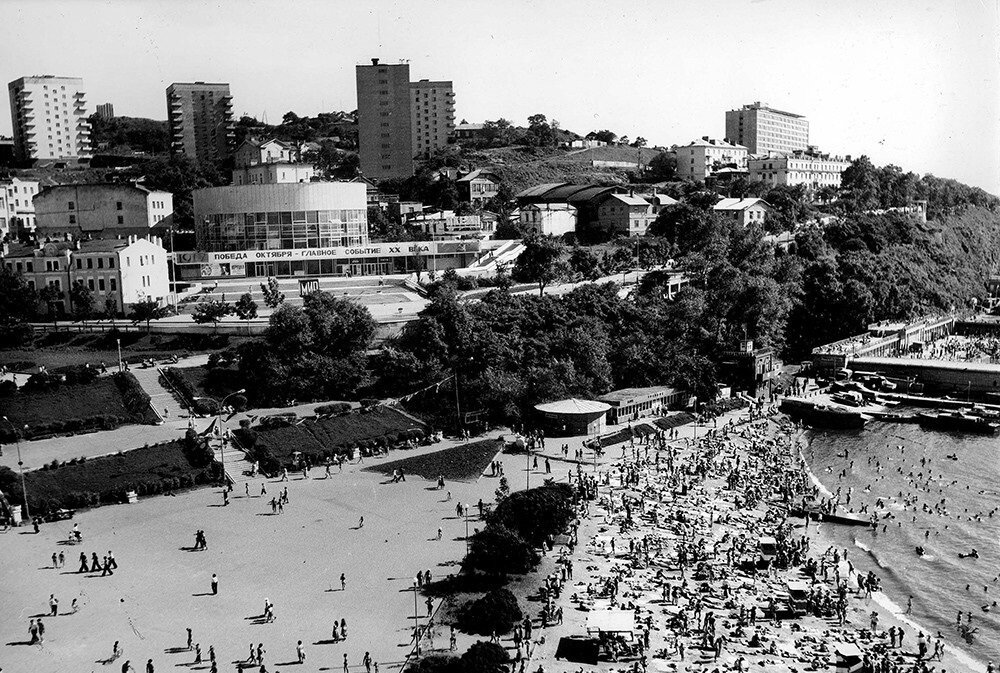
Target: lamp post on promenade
[[416, 621], [222, 430], [20, 466]]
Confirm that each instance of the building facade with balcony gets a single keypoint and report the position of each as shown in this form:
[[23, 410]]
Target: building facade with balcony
[[49, 118], [200, 117], [762, 129], [700, 159], [432, 115], [125, 271], [99, 211], [809, 168], [399, 119]]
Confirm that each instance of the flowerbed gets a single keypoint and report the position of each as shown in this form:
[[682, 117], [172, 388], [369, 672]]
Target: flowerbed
[[320, 438], [458, 463], [106, 480], [102, 404]]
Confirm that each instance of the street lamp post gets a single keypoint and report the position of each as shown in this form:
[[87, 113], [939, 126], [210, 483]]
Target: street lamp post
[[416, 621], [222, 430], [20, 467], [465, 510]]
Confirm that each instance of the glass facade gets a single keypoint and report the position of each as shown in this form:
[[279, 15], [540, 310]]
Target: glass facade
[[283, 230]]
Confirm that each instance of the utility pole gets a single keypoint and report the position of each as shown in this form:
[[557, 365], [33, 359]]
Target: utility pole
[[20, 467]]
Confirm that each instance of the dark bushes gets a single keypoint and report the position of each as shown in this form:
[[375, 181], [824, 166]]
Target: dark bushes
[[334, 409], [536, 514], [203, 406], [495, 612], [498, 550]]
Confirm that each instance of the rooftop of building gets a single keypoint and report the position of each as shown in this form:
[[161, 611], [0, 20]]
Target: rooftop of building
[[573, 406], [632, 393], [39, 78], [705, 141], [757, 105], [479, 173], [739, 204], [101, 185], [629, 199], [59, 248]]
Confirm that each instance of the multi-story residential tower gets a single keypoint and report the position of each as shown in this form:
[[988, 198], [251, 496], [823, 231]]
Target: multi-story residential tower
[[762, 129], [432, 115], [385, 133], [200, 116], [49, 117], [399, 119], [106, 111]]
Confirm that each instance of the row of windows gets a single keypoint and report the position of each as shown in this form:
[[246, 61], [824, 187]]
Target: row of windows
[[100, 262]]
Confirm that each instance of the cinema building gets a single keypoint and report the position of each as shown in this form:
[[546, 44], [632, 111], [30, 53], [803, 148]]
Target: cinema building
[[302, 229]]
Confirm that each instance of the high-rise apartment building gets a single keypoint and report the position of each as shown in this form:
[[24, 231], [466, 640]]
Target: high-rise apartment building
[[432, 115], [762, 129], [49, 117], [106, 111], [200, 116], [398, 119]]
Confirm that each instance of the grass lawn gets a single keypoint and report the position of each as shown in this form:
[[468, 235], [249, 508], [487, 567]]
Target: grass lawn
[[459, 463], [72, 409], [320, 438], [104, 480]]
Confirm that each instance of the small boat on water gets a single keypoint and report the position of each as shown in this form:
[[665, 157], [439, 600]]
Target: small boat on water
[[957, 421], [823, 416], [846, 519]]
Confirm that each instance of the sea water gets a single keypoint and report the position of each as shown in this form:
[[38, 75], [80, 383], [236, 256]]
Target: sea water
[[941, 583]]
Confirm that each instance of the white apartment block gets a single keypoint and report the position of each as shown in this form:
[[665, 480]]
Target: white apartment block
[[124, 270], [17, 208], [799, 168], [49, 118], [762, 129], [701, 158]]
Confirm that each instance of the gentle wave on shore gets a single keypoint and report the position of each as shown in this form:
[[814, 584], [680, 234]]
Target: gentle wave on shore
[[942, 505]]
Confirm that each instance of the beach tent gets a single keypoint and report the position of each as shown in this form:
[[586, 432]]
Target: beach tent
[[849, 657], [612, 622]]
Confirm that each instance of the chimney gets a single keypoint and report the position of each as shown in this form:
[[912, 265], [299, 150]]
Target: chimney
[[374, 61], [631, 192]]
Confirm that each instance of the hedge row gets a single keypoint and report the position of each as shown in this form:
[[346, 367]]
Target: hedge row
[[136, 399], [202, 406], [118, 494]]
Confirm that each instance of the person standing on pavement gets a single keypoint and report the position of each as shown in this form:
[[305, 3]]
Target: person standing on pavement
[[215, 584]]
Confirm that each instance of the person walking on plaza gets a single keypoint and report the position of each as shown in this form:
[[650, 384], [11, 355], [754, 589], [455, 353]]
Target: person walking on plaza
[[55, 560], [62, 560], [215, 584], [366, 661], [190, 644], [41, 631], [345, 663], [260, 654], [111, 561], [343, 582], [149, 666], [127, 667], [300, 652]]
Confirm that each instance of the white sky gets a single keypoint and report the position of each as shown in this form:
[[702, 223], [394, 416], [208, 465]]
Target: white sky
[[910, 82]]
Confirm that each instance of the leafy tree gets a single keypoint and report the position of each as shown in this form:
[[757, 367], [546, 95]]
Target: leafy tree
[[536, 514], [50, 294], [663, 166], [585, 263], [497, 550], [273, 296], [605, 136], [496, 612], [82, 300], [211, 312], [639, 142], [18, 302], [686, 227], [791, 207], [146, 311], [110, 307], [245, 307], [540, 262]]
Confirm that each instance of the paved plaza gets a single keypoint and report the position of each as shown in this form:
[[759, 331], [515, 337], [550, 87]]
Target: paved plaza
[[294, 559]]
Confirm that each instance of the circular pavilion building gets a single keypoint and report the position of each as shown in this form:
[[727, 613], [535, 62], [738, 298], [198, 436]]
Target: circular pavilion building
[[573, 417]]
